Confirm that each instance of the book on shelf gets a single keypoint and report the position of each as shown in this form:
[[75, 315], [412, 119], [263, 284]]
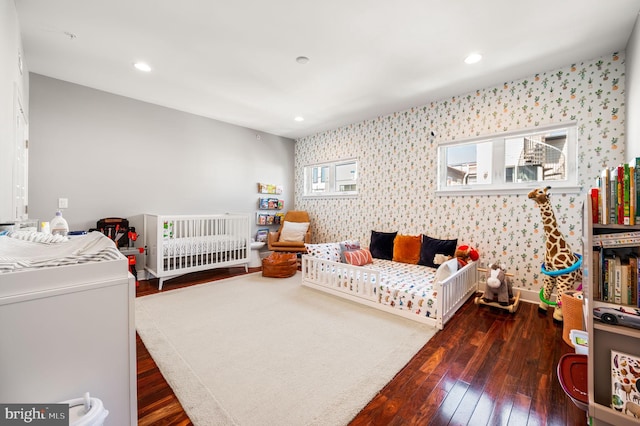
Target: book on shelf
[[617, 195], [273, 203], [595, 205], [613, 195], [268, 188], [632, 281], [625, 370], [636, 165], [626, 195], [278, 218], [604, 190], [261, 235], [617, 280], [620, 194], [597, 274], [615, 277], [632, 198]]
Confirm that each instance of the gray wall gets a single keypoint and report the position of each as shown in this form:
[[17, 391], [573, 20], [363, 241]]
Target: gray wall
[[113, 156], [633, 93]]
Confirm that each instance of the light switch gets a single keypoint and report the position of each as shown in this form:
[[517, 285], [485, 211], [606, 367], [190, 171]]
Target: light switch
[[63, 203]]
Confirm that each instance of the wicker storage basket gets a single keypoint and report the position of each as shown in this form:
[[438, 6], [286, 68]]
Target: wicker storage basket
[[280, 265], [571, 315]]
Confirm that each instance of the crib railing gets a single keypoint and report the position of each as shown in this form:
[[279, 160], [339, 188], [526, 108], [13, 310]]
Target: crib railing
[[455, 290], [356, 281], [359, 284], [203, 240]]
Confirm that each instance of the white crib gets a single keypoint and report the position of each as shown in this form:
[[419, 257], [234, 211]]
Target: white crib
[[180, 244]]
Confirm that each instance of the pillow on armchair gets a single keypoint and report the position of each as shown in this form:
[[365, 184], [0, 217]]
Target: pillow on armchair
[[293, 231]]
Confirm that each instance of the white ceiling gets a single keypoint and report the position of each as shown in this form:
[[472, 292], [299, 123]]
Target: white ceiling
[[234, 61]]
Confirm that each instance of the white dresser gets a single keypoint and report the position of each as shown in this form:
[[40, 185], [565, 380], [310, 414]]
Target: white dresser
[[67, 330]]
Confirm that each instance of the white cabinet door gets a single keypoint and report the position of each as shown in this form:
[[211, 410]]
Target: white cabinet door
[[21, 162]]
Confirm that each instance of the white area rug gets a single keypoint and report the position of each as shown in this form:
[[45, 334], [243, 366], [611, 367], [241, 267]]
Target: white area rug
[[251, 350]]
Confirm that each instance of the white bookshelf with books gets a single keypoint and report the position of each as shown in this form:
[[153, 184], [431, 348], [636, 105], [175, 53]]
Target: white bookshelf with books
[[611, 275]]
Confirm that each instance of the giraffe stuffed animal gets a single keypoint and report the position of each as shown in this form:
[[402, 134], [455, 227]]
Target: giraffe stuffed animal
[[558, 255]]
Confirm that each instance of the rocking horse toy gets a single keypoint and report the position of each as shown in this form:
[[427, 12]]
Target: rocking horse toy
[[561, 267], [499, 290]]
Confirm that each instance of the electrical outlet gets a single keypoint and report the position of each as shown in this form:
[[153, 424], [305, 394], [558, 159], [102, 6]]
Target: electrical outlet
[[63, 203]]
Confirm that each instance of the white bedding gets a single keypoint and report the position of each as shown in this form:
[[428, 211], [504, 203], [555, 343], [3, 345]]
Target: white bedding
[[35, 251], [404, 286], [200, 245]]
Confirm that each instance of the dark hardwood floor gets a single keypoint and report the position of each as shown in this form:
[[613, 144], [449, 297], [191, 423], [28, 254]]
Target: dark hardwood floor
[[487, 367]]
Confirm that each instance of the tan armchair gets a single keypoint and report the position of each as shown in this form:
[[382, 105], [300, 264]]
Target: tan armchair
[[273, 240]]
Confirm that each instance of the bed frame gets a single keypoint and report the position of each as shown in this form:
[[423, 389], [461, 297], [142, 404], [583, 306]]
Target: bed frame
[[355, 283], [181, 244]]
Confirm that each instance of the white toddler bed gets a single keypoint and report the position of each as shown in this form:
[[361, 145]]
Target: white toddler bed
[[178, 245], [399, 288]]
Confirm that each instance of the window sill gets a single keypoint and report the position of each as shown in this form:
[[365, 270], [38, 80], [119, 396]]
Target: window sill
[[329, 195], [509, 190]]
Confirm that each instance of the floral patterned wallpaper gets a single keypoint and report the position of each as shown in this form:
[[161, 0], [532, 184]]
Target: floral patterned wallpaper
[[397, 165]]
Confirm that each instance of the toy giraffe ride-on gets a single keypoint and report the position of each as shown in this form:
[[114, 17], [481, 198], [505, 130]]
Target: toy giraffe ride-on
[[561, 267]]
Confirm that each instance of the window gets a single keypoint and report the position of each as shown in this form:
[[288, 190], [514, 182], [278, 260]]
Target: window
[[338, 178], [510, 162]]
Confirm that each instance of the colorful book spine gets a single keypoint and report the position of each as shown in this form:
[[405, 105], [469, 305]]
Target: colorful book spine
[[632, 197], [637, 192], [597, 273], [613, 203], [620, 193], [626, 194], [595, 211], [605, 197], [617, 281], [606, 274], [633, 280]]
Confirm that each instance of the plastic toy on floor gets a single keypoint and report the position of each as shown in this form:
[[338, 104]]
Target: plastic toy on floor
[[499, 290]]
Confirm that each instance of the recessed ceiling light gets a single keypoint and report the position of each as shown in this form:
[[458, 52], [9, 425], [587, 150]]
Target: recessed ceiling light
[[473, 58], [142, 66], [298, 118], [302, 60]]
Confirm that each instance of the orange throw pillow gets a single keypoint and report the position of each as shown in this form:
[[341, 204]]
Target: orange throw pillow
[[406, 248]]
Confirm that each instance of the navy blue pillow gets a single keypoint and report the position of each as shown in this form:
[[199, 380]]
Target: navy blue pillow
[[381, 246], [432, 246]]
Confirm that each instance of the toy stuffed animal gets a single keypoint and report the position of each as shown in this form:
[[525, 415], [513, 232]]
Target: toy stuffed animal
[[465, 253], [499, 286], [561, 265]]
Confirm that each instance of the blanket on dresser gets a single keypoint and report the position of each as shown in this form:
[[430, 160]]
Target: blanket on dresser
[[21, 251]]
